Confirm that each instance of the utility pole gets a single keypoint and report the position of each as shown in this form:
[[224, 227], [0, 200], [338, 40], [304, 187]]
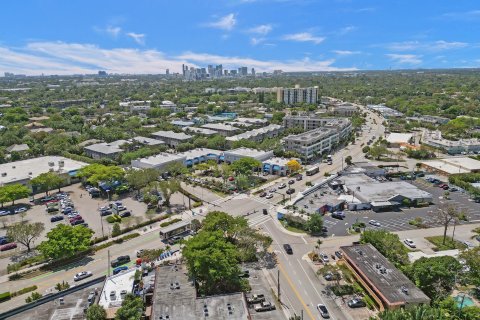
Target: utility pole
[[278, 285], [301, 316], [108, 267]]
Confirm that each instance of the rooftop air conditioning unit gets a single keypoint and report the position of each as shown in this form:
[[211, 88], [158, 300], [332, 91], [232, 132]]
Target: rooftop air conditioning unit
[[61, 163], [4, 174], [51, 163]]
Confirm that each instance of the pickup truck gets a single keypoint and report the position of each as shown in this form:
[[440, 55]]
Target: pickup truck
[[256, 298], [264, 306]]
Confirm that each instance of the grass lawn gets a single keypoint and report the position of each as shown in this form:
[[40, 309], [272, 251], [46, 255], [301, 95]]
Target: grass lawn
[[293, 229], [449, 244]]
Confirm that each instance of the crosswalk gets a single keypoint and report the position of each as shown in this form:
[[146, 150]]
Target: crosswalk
[[258, 219]]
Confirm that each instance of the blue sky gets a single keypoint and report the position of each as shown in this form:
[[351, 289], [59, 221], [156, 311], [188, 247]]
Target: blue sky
[[149, 36]]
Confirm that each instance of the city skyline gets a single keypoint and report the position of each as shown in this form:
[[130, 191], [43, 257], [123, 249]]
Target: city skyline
[[53, 37]]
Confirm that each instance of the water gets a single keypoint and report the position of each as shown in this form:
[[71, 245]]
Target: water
[[467, 302]]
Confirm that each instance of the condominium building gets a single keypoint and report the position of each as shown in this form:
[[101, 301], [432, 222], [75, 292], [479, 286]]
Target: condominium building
[[223, 129], [343, 125], [259, 134], [297, 95], [312, 143]]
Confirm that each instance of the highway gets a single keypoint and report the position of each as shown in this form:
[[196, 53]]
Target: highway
[[300, 287]]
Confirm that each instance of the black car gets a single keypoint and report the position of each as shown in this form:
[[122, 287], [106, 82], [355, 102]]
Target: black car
[[56, 218], [105, 213], [290, 191], [356, 303], [119, 261], [125, 214], [265, 211], [339, 254], [291, 181], [4, 240], [288, 248]]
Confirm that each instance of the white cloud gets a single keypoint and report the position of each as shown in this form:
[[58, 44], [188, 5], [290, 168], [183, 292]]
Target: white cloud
[[225, 23], [73, 58], [254, 41], [346, 52], [465, 15], [137, 37], [405, 58], [439, 45], [262, 29], [304, 37], [113, 31], [346, 30]]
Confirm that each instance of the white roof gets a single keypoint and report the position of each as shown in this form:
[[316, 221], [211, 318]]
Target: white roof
[[255, 132], [463, 162], [148, 141], [204, 131], [117, 283], [107, 147], [219, 126], [254, 153], [399, 137], [31, 168], [195, 153], [157, 160], [445, 167]]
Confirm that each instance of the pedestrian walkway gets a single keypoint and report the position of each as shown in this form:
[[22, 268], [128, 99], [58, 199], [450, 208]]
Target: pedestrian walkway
[[258, 219]]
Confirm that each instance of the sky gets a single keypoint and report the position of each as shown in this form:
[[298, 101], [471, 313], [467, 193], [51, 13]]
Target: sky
[[150, 36]]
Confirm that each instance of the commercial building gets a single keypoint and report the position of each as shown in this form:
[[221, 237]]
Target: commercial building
[[175, 297], [429, 119], [450, 166], [307, 123], [112, 297], [25, 170], [312, 143], [166, 104], [182, 124], [236, 154], [250, 121], [110, 150], [385, 111], [172, 139], [462, 146], [389, 287], [187, 158], [344, 109], [395, 140], [277, 166], [259, 134], [297, 95], [221, 128], [147, 141]]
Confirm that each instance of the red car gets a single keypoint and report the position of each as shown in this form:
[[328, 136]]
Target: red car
[[443, 185], [72, 220], [8, 246]]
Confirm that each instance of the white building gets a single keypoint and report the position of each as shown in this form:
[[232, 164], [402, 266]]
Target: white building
[[259, 134], [313, 143], [236, 154], [202, 131], [435, 139], [297, 95], [110, 298], [395, 139], [221, 128]]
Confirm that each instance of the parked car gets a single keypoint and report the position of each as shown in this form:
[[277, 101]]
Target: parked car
[[105, 213], [332, 276], [288, 248], [273, 190], [119, 261], [119, 269], [125, 214], [374, 223], [4, 213], [265, 211], [20, 210], [82, 275], [339, 254], [264, 306], [56, 218], [263, 194], [324, 258], [256, 298], [281, 186], [78, 222], [299, 177], [409, 243], [4, 240], [323, 311], [356, 303], [269, 196], [291, 181], [338, 215], [8, 246], [290, 191], [140, 252]]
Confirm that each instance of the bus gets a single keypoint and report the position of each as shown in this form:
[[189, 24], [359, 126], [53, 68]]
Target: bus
[[312, 171]]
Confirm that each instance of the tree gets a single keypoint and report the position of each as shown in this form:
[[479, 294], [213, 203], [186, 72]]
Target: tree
[[314, 224], [245, 166], [168, 188], [435, 276], [116, 230], [242, 182], [95, 173], [445, 216], [227, 172], [420, 312], [25, 233], [377, 151], [293, 165], [131, 309], [47, 181], [388, 244], [96, 312], [138, 179], [65, 241], [195, 225], [348, 160], [12, 192], [472, 260], [212, 262], [176, 169]]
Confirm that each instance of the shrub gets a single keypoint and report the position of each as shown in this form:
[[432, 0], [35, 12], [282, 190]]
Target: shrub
[[15, 276], [197, 204], [24, 290], [116, 229], [114, 218], [5, 296], [164, 224], [34, 297]]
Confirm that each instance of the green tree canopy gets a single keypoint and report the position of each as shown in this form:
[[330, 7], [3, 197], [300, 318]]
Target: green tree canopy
[[25, 233], [12, 192], [96, 312], [95, 173], [168, 188], [472, 260], [131, 309], [245, 166], [388, 244], [65, 240], [138, 179], [47, 181], [314, 224]]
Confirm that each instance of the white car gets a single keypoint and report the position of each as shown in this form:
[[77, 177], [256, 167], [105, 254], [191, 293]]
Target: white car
[[82, 275], [269, 196], [283, 185], [374, 223], [410, 243], [468, 244], [20, 210]]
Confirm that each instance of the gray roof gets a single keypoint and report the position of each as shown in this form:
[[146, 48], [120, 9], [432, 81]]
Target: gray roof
[[18, 147], [368, 262], [171, 135]]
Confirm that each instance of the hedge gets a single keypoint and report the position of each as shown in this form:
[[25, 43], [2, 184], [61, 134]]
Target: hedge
[[5, 296], [24, 290], [164, 224], [117, 241]]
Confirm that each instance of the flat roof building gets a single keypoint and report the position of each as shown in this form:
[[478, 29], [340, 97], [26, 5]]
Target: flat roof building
[[24, 170], [397, 139], [147, 141], [159, 161], [102, 150], [453, 147], [388, 285], [239, 153], [202, 131], [221, 128], [110, 298], [259, 134], [172, 139], [313, 143], [450, 166], [297, 95], [182, 123], [182, 302]]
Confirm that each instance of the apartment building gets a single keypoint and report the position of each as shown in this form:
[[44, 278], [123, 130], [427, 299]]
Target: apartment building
[[312, 143], [343, 125], [172, 139], [259, 134], [297, 95]]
